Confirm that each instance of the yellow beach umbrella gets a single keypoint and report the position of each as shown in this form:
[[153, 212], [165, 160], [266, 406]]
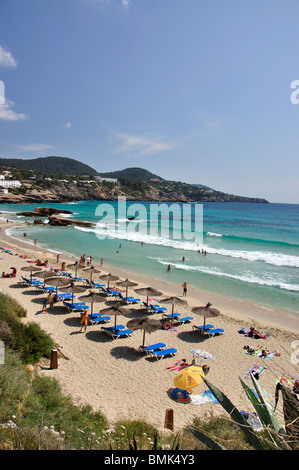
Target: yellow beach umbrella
[[189, 377]]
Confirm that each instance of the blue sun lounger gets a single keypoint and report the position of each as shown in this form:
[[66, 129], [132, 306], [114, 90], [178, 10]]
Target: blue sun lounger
[[174, 315], [95, 318], [117, 332], [129, 299], [213, 332], [76, 307], [66, 296], [203, 328], [184, 320], [163, 353], [152, 347]]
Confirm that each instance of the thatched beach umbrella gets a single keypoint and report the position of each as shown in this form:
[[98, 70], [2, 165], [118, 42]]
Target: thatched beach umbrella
[[115, 310], [57, 281], [109, 277], [206, 312], [46, 275], [73, 289], [148, 291], [173, 301], [76, 266], [31, 269], [148, 325], [92, 270], [92, 298], [127, 284]]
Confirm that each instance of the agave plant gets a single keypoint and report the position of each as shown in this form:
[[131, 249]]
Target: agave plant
[[274, 435], [291, 413]]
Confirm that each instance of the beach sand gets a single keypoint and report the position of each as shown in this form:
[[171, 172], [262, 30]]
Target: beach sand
[[113, 376]]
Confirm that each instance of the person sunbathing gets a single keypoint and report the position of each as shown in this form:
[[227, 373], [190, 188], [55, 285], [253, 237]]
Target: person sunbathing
[[251, 350], [266, 352]]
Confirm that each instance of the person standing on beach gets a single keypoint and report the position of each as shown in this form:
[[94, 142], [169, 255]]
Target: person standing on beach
[[35, 241], [184, 286], [84, 321]]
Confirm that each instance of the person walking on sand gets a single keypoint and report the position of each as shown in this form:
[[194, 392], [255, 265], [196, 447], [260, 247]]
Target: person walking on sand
[[45, 303], [35, 241], [84, 321], [51, 299], [184, 286]]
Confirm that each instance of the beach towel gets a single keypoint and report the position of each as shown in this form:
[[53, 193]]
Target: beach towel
[[204, 397], [256, 371]]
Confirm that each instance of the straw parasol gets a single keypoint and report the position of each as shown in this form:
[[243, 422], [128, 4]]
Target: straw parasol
[[148, 325], [92, 270], [148, 291], [57, 281], [109, 277], [73, 289], [46, 274], [206, 312], [115, 310], [127, 284], [173, 301], [31, 269], [76, 266], [92, 298]]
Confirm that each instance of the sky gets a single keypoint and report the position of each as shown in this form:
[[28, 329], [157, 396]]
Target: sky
[[193, 91]]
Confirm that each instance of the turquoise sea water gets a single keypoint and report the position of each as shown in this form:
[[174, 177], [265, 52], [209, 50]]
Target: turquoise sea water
[[252, 250]]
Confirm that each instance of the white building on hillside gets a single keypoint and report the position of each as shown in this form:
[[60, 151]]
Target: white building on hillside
[[10, 183]]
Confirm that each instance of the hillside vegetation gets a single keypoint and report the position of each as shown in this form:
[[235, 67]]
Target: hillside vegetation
[[59, 179]]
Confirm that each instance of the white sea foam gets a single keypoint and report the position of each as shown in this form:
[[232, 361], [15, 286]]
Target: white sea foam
[[268, 257], [248, 278]]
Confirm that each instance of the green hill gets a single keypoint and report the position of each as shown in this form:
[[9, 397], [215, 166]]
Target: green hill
[[134, 173], [53, 165]]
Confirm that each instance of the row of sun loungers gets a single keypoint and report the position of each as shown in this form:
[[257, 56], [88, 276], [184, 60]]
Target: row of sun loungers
[[97, 318]]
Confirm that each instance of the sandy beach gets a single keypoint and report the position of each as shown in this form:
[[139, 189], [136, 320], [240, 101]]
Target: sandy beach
[[113, 376]]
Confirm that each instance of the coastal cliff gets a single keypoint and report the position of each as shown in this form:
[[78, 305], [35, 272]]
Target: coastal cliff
[[60, 192]]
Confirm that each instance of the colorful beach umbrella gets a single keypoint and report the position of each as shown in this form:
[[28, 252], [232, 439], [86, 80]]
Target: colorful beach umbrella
[[201, 353], [189, 377]]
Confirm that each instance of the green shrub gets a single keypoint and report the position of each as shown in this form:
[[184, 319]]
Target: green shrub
[[29, 339]]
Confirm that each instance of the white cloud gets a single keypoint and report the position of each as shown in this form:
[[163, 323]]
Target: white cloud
[[68, 124], [6, 58], [125, 3], [8, 114], [136, 145], [35, 147]]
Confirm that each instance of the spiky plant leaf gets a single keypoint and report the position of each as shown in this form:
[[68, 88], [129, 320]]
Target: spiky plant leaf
[[235, 415], [206, 439]]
